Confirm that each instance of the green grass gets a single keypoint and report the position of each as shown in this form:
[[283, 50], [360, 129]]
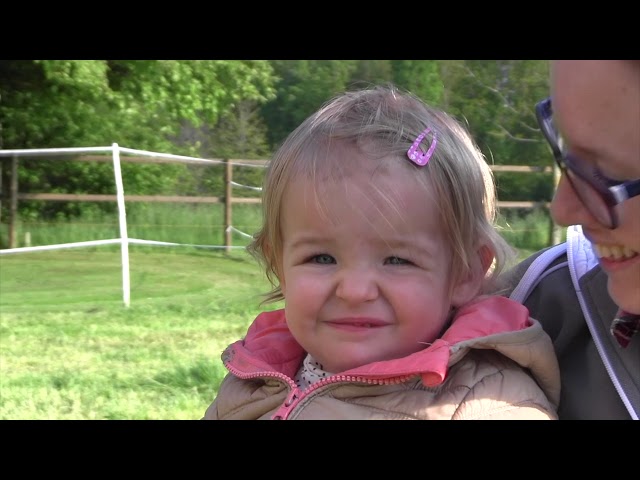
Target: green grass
[[196, 224], [528, 231], [71, 350]]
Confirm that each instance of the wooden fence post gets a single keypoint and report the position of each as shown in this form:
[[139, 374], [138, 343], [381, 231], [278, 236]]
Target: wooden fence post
[[228, 192], [1, 190], [557, 232]]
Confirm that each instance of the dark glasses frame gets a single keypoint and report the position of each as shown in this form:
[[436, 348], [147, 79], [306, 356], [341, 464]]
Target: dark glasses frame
[[586, 180]]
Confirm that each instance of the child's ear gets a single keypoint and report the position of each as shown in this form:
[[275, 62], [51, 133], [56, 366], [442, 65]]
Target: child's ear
[[469, 286]]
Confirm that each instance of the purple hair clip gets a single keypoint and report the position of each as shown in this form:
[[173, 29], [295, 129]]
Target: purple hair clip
[[416, 155]]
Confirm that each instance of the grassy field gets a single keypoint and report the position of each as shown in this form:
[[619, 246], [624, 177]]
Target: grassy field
[[69, 349]]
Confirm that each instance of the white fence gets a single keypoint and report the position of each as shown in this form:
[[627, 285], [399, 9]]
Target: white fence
[[123, 239]]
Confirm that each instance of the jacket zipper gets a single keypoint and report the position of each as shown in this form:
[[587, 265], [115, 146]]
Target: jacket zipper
[[296, 395]]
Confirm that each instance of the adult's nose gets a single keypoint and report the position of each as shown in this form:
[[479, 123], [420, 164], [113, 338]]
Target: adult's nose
[[567, 208]]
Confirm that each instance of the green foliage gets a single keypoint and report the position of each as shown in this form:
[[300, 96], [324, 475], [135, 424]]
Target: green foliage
[[240, 134], [370, 72], [242, 110], [496, 99], [422, 77], [530, 187], [98, 95], [528, 230], [142, 104], [303, 87], [306, 84]]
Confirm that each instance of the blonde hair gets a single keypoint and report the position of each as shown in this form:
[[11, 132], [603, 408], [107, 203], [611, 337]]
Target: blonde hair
[[382, 122]]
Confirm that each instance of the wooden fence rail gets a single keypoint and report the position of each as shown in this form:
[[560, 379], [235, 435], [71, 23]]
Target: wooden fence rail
[[228, 199]]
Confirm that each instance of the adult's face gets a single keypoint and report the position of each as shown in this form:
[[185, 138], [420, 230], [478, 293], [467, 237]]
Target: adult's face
[[596, 106]]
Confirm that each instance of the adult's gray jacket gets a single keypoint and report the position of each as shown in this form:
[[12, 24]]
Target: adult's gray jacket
[[569, 297]]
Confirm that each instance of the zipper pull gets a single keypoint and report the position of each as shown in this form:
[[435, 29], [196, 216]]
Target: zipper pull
[[283, 412]]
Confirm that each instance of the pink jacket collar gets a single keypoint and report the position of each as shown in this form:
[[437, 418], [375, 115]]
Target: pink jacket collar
[[269, 346]]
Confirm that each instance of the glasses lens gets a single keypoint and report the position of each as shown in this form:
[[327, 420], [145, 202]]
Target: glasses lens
[[592, 199]]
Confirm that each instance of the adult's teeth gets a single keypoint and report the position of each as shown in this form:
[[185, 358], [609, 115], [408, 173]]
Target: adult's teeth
[[615, 252]]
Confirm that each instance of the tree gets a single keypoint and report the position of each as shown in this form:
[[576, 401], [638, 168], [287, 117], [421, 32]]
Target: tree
[[421, 77], [72, 103], [495, 99], [370, 72], [303, 86], [240, 134], [141, 104]]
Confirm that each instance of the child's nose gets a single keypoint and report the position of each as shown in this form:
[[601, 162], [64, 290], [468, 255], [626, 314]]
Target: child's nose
[[357, 285]]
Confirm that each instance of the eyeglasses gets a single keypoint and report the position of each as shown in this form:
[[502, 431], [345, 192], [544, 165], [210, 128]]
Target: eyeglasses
[[598, 193]]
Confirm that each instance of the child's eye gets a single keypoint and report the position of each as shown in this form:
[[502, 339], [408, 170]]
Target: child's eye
[[397, 261], [323, 259]]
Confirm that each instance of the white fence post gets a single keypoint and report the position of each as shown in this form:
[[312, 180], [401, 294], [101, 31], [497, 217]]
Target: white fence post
[[122, 216]]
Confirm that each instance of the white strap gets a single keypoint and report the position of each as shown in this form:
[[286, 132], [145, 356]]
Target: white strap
[[533, 275], [581, 254]]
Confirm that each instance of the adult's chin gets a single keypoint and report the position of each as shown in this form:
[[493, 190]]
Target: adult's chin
[[624, 293]]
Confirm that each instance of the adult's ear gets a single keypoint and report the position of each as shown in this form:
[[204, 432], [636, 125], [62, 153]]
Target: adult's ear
[[469, 285]]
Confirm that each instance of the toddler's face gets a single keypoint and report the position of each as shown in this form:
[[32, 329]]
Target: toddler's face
[[365, 280]]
